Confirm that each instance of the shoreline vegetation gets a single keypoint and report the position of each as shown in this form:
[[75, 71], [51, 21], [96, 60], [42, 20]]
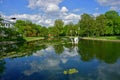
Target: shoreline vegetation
[[27, 39], [104, 38]]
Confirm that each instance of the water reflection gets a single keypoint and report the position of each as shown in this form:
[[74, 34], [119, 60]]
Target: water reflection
[[2, 66], [44, 60], [108, 52]]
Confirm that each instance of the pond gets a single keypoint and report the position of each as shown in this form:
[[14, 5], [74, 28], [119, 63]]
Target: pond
[[60, 60]]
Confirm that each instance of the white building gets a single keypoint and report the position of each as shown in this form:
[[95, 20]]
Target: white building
[[7, 24]]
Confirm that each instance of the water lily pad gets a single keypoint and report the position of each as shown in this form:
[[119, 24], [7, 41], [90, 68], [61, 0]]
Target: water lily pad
[[70, 71]]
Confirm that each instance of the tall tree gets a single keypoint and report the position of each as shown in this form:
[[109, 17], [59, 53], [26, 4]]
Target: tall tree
[[86, 25], [101, 22], [113, 17], [59, 26]]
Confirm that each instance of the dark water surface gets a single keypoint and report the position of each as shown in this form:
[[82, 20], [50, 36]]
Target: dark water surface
[[94, 60]]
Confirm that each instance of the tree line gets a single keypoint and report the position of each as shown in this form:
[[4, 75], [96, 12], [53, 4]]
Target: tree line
[[107, 24]]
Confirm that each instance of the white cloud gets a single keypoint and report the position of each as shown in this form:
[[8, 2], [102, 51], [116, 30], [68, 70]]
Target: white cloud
[[113, 8], [71, 18], [64, 9], [50, 10], [96, 14], [45, 5], [111, 3], [45, 20]]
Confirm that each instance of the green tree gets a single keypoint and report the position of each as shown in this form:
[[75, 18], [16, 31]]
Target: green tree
[[44, 32], [27, 28], [113, 17], [59, 27], [87, 25], [20, 26], [1, 19], [101, 22]]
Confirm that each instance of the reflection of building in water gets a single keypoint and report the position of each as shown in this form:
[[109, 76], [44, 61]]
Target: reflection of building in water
[[69, 53]]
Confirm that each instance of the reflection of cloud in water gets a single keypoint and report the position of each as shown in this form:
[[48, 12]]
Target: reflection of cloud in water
[[51, 61], [69, 54], [50, 64], [49, 50], [109, 71]]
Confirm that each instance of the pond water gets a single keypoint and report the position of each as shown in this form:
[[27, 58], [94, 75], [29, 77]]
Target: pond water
[[48, 60]]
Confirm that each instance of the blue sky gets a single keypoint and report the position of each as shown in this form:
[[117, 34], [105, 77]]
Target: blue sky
[[46, 11]]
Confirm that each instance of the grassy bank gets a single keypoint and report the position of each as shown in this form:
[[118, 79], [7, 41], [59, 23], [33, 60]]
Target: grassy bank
[[33, 38], [104, 38]]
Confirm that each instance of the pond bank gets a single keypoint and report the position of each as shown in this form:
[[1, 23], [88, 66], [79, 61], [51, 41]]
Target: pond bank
[[101, 39], [29, 39], [9, 42]]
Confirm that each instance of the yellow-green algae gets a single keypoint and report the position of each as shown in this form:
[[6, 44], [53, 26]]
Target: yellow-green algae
[[70, 71]]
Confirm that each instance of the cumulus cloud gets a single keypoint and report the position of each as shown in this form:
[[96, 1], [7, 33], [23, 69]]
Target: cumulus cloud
[[71, 18], [36, 18], [45, 5], [45, 20], [64, 9], [114, 4], [50, 10]]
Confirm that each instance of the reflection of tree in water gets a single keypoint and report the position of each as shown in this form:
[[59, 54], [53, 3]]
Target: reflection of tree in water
[[58, 48], [2, 67], [104, 51], [19, 50], [86, 52]]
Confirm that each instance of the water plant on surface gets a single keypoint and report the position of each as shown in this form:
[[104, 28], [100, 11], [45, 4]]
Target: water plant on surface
[[70, 71]]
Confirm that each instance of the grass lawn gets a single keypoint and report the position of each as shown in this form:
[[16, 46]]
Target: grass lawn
[[109, 37], [33, 38], [104, 38]]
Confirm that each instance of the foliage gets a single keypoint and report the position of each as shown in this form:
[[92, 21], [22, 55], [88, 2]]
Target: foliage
[[87, 25], [107, 24], [58, 26], [10, 34], [27, 28]]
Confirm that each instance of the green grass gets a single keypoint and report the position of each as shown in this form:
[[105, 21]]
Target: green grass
[[33, 38], [98, 38], [109, 37], [105, 38]]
